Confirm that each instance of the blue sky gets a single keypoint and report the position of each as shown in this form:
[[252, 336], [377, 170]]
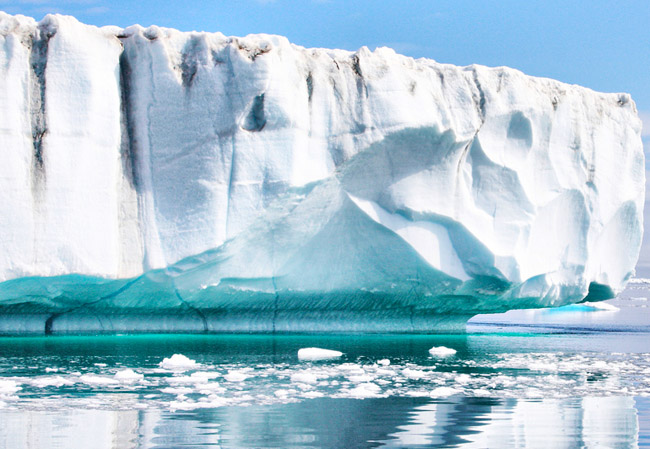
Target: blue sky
[[598, 44]]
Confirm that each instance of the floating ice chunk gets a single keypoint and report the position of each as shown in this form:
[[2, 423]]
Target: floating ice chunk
[[304, 377], [462, 200], [441, 351], [177, 390], [9, 387], [413, 374], [178, 362], [443, 392], [312, 394], [359, 378], [366, 390], [236, 376], [210, 388], [128, 376], [211, 402], [313, 354], [91, 379], [51, 370], [204, 376], [281, 394], [463, 379], [51, 381], [383, 362]]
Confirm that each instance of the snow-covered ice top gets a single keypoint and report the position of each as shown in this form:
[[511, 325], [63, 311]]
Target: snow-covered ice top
[[294, 170]]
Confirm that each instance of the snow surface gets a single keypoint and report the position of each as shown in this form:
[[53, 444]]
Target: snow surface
[[248, 184]]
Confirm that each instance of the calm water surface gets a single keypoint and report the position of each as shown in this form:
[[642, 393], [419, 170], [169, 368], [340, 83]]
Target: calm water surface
[[574, 377]]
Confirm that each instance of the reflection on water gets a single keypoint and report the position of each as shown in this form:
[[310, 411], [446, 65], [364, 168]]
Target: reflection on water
[[393, 422]]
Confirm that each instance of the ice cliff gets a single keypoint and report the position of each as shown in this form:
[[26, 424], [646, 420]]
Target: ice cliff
[[156, 179]]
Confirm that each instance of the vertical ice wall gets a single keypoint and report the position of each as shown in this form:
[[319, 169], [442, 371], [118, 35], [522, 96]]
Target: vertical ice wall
[[62, 204], [124, 150]]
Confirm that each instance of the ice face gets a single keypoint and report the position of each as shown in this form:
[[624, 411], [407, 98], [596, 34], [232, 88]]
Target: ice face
[[218, 183]]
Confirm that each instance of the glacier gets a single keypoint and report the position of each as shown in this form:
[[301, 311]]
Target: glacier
[[158, 180]]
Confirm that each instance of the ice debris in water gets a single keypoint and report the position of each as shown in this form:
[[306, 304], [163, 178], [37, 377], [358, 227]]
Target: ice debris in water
[[444, 392], [128, 376], [365, 390], [178, 362], [51, 381], [441, 351], [8, 387], [236, 376], [383, 362], [304, 377], [312, 354], [91, 379]]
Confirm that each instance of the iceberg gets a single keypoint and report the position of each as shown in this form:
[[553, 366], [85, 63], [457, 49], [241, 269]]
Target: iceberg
[[158, 180]]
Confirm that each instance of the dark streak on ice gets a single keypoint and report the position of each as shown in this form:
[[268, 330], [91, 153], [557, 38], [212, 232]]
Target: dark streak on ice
[[129, 144], [38, 62], [361, 82], [310, 86], [481, 101], [189, 64]]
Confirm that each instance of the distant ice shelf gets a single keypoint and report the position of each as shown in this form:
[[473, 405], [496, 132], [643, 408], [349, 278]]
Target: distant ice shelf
[[157, 180]]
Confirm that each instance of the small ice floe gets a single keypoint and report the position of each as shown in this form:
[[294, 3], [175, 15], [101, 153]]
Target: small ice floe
[[383, 362], [413, 374], [128, 376], [178, 362], [9, 387], [366, 390], [51, 370], [443, 392], [177, 390], [91, 379], [312, 394], [51, 381], [209, 402], [304, 377], [236, 376], [441, 351], [360, 378], [282, 394], [313, 354]]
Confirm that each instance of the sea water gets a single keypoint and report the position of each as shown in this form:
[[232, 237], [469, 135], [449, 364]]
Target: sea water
[[572, 377]]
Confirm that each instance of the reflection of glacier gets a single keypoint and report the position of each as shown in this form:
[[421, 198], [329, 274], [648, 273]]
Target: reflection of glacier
[[391, 423], [263, 186]]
